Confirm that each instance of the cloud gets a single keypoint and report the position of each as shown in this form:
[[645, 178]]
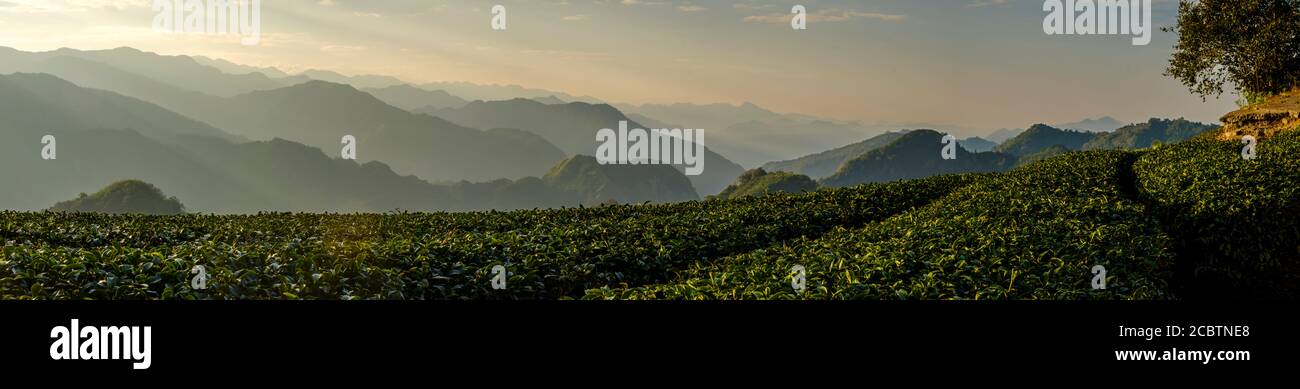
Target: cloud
[[641, 2], [66, 6], [691, 8], [342, 49], [752, 6], [985, 3], [569, 55], [828, 15], [574, 18]]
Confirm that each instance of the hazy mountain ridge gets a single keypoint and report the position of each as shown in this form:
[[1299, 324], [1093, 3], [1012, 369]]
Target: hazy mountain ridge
[[215, 174], [1041, 136], [752, 135], [490, 92], [1002, 135], [179, 71], [823, 164], [357, 81], [914, 155], [1101, 124], [414, 99], [233, 68], [320, 113], [45, 101], [573, 126], [977, 144], [504, 145]]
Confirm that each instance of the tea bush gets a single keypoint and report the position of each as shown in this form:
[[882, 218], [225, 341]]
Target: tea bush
[[1182, 221], [548, 253], [1237, 221], [1033, 233]]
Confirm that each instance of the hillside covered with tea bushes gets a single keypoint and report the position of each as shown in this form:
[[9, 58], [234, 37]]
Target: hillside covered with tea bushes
[[1192, 220]]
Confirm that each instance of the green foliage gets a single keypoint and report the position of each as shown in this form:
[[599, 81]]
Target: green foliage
[[1237, 221], [1033, 233], [1044, 154], [1249, 98], [914, 155], [130, 196], [759, 182], [595, 183], [1143, 135], [549, 254], [1188, 220], [1041, 136], [1253, 44]]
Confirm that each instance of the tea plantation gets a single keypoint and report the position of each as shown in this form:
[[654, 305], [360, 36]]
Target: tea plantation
[[1193, 220]]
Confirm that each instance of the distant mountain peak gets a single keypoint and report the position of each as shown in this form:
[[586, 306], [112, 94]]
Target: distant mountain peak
[[124, 197], [1041, 136], [1041, 127], [321, 84], [406, 87], [317, 89], [1101, 124]]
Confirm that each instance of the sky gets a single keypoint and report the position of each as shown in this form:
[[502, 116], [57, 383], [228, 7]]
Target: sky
[[971, 63]]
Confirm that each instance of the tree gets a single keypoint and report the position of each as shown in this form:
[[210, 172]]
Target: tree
[[1254, 44]]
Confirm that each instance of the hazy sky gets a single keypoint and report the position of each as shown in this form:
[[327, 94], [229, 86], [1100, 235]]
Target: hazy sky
[[979, 63]]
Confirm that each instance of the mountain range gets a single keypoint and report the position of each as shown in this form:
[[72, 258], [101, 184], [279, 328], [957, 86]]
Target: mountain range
[[318, 114], [414, 99], [1041, 136], [749, 134], [573, 126], [233, 138], [823, 164], [1142, 135], [107, 137], [917, 154], [1101, 124]]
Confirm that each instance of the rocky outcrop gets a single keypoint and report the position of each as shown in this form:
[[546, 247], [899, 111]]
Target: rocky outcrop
[[1277, 114]]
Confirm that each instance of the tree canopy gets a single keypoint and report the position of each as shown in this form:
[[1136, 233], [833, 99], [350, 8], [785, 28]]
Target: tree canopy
[[1252, 44]]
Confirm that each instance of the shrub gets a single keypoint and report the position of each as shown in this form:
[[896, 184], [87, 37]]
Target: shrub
[[1237, 221], [1033, 233]]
